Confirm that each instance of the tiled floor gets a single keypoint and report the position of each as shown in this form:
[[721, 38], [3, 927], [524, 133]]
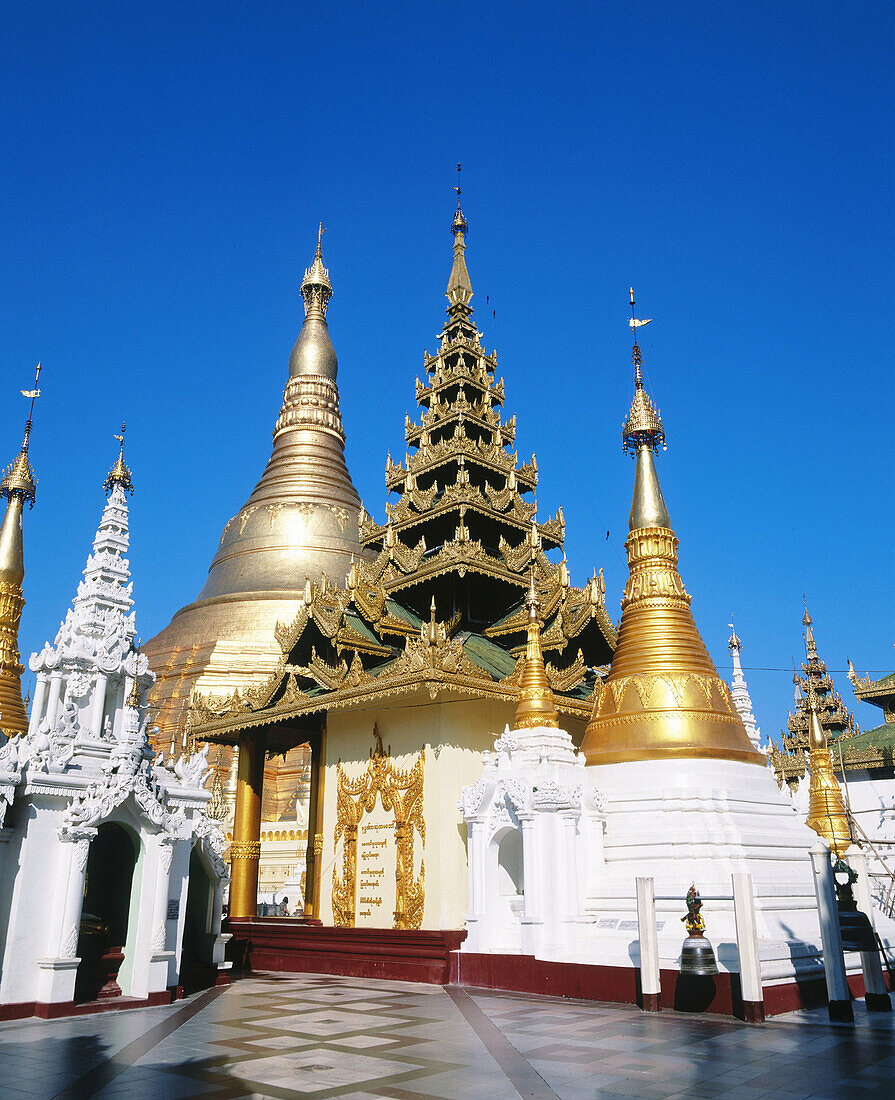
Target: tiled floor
[[310, 1037]]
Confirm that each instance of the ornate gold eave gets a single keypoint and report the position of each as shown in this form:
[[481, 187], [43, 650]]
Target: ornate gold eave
[[551, 530], [227, 728], [492, 458], [866, 693]]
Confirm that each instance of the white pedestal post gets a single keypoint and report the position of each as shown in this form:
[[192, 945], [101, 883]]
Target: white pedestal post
[[158, 960], [530, 884], [650, 985], [747, 948], [875, 996], [840, 1008], [99, 704], [56, 982], [37, 703]]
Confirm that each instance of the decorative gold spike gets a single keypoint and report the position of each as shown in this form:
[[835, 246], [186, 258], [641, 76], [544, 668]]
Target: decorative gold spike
[[536, 706]]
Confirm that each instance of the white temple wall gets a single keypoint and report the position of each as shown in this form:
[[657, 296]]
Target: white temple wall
[[454, 732]]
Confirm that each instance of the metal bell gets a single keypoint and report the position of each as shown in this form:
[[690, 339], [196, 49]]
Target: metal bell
[[698, 958]]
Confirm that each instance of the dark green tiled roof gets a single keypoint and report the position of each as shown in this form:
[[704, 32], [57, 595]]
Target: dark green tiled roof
[[492, 658], [883, 737]]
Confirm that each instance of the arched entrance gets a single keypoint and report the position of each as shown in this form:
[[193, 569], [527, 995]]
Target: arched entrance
[[104, 913], [196, 970]]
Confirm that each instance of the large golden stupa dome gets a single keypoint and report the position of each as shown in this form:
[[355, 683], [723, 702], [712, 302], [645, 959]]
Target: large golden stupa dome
[[301, 520]]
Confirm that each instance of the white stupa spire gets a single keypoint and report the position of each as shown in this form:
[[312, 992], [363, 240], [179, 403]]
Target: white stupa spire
[[740, 691], [90, 670]]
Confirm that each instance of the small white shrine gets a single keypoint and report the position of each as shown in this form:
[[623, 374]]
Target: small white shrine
[[535, 825], [111, 874]]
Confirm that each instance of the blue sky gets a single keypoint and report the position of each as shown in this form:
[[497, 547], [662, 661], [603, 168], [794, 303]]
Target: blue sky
[[164, 170]]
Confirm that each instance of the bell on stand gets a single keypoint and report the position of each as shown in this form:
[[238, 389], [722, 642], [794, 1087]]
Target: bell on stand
[[697, 956], [695, 988], [857, 931]]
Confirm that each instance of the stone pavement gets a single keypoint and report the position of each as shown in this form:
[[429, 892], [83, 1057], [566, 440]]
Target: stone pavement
[[312, 1036]]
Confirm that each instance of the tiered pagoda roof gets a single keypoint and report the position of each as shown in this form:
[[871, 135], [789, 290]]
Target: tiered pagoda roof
[[835, 718], [439, 597], [877, 746]]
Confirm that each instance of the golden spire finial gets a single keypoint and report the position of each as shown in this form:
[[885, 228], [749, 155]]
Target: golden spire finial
[[18, 477], [18, 485], [664, 697], [119, 474], [734, 642], [459, 223], [536, 707], [643, 426], [808, 623], [459, 288], [316, 289]]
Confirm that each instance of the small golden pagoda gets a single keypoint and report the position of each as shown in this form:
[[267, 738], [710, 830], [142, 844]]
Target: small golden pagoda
[[18, 486], [663, 696], [827, 815], [536, 707]]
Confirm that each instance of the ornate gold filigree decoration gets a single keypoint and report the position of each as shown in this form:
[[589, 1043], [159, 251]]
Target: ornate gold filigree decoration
[[400, 792]]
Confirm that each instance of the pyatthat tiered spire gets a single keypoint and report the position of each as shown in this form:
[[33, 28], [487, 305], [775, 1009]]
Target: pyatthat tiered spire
[[663, 696], [93, 665], [834, 717], [739, 690], [18, 485]]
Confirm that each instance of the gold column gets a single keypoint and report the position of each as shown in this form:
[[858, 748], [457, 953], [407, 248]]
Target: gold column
[[13, 719], [17, 486], [245, 851], [315, 821]]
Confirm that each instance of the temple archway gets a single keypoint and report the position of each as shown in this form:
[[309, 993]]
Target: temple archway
[[196, 968], [105, 912]]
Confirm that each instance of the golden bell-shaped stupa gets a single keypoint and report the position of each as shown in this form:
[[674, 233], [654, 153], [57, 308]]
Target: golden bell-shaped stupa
[[663, 696], [300, 521], [536, 707], [827, 814]]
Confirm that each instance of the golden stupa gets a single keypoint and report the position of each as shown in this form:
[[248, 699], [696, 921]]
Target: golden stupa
[[536, 707], [827, 814], [663, 696], [18, 486], [300, 521]]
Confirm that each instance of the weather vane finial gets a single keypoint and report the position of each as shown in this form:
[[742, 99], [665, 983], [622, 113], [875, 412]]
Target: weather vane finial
[[457, 188], [635, 324], [321, 229], [33, 394]]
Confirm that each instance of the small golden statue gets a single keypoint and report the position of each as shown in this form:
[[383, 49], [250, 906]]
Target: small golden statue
[[695, 923]]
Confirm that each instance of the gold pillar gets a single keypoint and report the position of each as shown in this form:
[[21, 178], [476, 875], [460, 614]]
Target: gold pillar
[[245, 851], [315, 822], [13, 719]]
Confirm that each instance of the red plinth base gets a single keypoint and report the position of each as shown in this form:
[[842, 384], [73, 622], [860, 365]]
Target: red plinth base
[[284, 943]]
